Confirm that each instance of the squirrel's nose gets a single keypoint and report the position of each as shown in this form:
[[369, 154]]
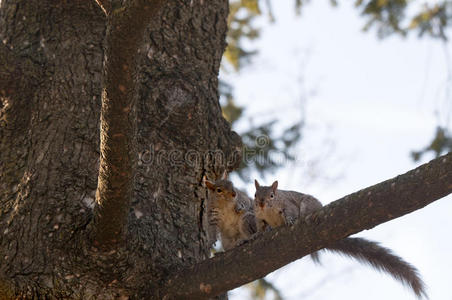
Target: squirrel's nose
[[233, 194]]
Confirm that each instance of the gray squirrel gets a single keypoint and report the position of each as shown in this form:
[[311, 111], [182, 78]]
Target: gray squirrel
[[273, 208], [231, 210]]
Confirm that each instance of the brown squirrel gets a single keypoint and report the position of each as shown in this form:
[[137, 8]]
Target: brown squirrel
[[231, 211], [275, 207]]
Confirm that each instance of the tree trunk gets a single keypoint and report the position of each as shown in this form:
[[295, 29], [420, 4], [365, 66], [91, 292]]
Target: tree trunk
[[52, 224], [49, 148]]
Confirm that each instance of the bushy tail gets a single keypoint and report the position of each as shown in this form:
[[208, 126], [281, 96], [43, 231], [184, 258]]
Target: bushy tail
[[382, 259]]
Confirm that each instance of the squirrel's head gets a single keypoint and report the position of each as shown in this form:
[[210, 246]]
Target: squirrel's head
[[264, 194], [223, 190]]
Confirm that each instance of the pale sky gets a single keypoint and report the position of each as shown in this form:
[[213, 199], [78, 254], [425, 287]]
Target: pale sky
[[372, 101]]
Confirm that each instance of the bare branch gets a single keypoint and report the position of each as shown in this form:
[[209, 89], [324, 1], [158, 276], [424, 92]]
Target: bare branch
[[16, 72], [125, 28], [362, 210]]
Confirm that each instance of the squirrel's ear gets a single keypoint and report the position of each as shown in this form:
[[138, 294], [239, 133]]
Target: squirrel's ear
[[256, 184], [275, 185], [224, 176], [210, 185]]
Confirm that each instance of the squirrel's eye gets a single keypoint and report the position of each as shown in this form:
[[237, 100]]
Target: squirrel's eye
[[218, 190], [272, 195]]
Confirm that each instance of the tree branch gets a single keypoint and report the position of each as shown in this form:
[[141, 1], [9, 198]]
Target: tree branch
[[16, 72], [125, 29], [362, 210]]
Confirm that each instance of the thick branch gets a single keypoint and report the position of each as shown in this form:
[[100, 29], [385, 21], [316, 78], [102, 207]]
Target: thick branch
[[16, 72], [362, 210], [125, 30]]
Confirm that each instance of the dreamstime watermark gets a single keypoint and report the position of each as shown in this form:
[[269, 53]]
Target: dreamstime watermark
[[258, 155], [190, 157]]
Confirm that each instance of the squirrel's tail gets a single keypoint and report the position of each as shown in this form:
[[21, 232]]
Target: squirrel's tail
[[382, 259]]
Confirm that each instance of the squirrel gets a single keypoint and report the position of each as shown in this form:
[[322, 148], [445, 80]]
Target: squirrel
[[231, 211], [275, 208]]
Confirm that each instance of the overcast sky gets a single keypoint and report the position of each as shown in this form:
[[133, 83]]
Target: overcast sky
[[368, 103]]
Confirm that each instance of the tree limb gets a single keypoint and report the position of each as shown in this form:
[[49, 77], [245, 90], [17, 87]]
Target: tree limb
[[16, 72], [125, 29], [362, 210]]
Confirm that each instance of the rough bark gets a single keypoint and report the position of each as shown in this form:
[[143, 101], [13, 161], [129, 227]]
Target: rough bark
[[18, 73], [49, 152], [105, 5], [49, 142], [362, 210], [125, 30]]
